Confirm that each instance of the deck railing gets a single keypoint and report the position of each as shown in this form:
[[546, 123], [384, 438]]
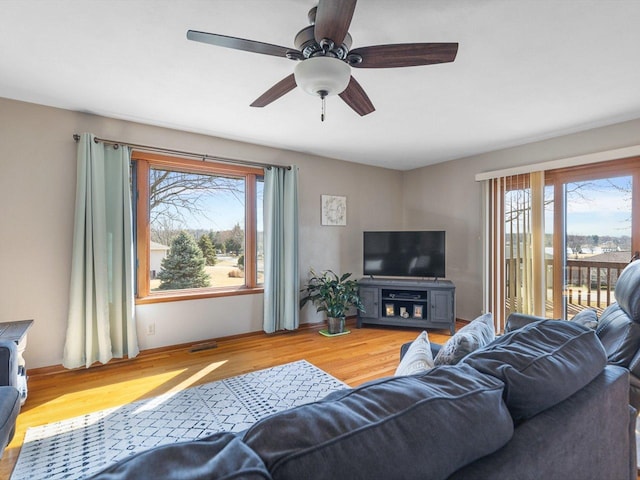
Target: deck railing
[[591, 284]]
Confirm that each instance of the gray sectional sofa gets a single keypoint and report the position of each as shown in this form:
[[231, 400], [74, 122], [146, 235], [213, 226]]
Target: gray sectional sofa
[[9, 394], [539, 402]]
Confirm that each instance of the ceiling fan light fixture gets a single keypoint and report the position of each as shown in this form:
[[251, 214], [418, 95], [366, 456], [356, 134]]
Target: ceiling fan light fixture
[[322, 76]]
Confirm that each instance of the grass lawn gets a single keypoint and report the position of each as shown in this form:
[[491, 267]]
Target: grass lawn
[[219, 273]]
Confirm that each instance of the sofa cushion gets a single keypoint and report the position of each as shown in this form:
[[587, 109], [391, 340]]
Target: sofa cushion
[[418, 357], [475, 335], [409, 427], [618, 327], [9, 410], [517, 320], [222, 456], [587, 318], [541, 364], [619, 334], [628, 290]]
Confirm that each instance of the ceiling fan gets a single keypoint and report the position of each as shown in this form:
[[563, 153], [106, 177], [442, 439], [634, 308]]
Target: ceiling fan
[[325, 59]]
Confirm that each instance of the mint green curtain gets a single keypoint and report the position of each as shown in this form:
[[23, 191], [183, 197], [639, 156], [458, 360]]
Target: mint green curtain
[[281, 282], [101, 322]]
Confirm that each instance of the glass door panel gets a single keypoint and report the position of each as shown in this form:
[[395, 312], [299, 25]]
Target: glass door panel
[[597, 239]]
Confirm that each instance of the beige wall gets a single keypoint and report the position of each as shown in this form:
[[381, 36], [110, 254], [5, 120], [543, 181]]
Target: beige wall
[[446, 196], [37, 190], [37, 194]]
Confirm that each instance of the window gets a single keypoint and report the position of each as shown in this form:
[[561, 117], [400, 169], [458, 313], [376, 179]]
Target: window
[[198, 228]]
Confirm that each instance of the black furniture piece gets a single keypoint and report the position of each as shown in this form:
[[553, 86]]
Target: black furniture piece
[[408, 303]]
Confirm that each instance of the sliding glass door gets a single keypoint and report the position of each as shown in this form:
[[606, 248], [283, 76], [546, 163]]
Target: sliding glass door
[[559, 239], [596, 239]]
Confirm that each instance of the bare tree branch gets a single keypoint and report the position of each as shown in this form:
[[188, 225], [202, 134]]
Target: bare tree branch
[[174, 194]]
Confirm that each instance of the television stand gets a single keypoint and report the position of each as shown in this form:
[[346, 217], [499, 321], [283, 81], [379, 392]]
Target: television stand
[[408, 303]]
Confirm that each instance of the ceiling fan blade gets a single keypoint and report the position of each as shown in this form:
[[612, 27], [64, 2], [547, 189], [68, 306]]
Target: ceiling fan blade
[[355, 96], [405, 55], [333, 19], [239, 43], [279, 89]]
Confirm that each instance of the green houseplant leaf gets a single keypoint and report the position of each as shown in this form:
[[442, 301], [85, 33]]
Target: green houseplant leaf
[[331, 293]]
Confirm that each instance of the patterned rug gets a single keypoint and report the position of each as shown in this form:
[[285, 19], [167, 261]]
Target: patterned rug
[[81, 446]]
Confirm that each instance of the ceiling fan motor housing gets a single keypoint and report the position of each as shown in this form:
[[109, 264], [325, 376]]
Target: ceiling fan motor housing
[[307, 44]]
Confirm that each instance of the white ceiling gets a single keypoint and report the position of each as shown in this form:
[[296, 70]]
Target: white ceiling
[[526, 70]]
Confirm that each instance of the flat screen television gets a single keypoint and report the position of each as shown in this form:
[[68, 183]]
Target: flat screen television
[[404, 254]]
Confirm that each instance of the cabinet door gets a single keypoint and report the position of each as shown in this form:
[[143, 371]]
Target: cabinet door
[[441, 306], [369, 298]]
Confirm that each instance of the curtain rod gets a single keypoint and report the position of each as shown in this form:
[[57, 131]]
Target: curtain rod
[[203, 156]]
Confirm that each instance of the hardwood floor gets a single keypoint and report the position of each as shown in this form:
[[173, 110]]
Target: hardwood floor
[[365, 354]]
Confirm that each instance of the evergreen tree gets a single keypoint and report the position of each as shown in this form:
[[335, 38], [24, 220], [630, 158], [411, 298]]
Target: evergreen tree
[[208, 250], [235, 241], [183, 267], [217, 242]]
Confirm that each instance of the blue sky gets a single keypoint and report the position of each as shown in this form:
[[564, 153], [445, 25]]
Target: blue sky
[[599, 208], [224, 210]]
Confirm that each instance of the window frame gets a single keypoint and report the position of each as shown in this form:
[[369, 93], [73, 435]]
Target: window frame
[[143, 162]]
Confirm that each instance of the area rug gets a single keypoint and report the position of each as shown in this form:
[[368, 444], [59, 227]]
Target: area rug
[[79, 447]]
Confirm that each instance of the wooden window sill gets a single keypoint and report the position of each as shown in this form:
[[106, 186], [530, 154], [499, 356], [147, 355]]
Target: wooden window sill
[[175, 296]]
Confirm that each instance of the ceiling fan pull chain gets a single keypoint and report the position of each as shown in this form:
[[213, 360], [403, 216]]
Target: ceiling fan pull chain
[[323, 95]]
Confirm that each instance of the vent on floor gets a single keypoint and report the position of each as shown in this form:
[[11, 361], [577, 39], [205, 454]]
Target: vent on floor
[[203, 346]]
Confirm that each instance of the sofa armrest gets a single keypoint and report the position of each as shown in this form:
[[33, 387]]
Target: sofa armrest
[[518, 320], [8, 363], [634, 391], [634, 365]]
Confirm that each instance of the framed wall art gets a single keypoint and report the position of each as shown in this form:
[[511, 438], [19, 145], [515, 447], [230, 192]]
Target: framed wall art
[[334, 210]]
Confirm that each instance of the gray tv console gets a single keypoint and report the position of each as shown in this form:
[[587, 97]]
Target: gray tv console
[[408, 303]]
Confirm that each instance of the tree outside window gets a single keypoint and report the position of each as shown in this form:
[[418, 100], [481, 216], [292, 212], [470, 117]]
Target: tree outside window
[[199, 226]]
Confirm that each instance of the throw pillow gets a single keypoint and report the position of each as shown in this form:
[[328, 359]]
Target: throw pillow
[[587, 318], [418, 358], [469, 338]]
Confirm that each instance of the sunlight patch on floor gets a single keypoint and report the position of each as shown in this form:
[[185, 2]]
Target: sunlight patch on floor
[[192, 380], [76, 400]]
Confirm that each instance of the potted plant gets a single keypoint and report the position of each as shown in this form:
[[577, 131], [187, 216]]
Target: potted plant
[[332, 294]]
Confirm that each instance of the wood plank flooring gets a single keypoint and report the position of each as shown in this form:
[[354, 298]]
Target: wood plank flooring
[[365, 354]]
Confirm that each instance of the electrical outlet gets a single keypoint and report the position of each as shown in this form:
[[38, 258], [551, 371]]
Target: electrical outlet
[[151, 329]]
